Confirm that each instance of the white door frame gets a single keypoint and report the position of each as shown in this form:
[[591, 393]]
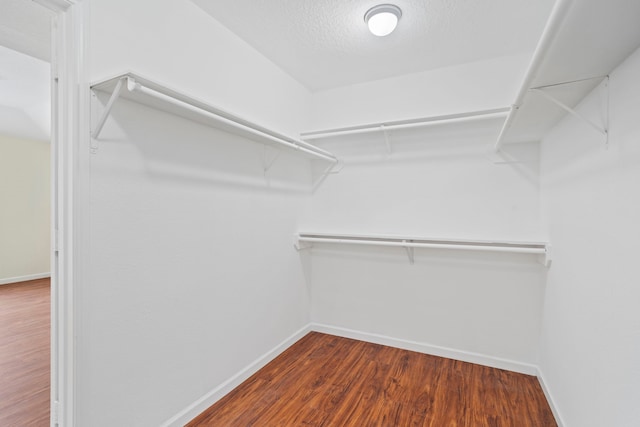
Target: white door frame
[[69, 134]]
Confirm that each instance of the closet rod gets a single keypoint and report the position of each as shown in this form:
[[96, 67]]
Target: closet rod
[[297, 146], [538, 249], [548, 35], [147, 92], [426, 121]]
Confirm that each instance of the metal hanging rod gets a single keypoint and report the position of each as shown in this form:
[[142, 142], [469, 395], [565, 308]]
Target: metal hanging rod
[[407, 124], [538, 248], [306, 240], [138, 89]]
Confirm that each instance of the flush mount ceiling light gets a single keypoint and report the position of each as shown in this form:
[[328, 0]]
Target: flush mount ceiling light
[[382, 19]]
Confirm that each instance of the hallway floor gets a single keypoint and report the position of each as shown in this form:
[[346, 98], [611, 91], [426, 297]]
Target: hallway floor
[[25, 327]]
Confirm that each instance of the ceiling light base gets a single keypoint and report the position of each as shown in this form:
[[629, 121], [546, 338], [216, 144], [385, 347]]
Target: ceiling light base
[[382, 19]]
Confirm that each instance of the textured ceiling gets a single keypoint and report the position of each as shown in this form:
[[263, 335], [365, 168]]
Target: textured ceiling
[[25, 26], [325, 43]]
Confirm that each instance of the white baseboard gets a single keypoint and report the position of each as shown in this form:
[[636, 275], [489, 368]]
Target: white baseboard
[[200, 405], [549, 396], [450, 353], [24, 278]]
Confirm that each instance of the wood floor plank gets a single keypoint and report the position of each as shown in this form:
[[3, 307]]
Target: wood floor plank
[[324, 380], [25, 353]]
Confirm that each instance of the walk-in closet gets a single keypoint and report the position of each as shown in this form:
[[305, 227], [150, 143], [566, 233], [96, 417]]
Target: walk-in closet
[[284, 215]]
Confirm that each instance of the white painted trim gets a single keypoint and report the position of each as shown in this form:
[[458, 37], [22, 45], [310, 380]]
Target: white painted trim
[[70, 161], [434, 350], [24, 278], [200, 405], [56, 5], [549, 396]]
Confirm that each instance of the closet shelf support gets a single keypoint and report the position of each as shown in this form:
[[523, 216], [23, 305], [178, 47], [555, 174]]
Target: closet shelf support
[[410, 254], [546, 258], [386, 127], [573, 112], [542, 249], [107, 109], [329, 170], [558, 14], [160, 97], [386, 138]]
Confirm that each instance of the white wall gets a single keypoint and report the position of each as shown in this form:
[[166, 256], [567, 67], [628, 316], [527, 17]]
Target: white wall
[[441, 189], [25, 101], [176, 43], [438, 182], [24, 208], [193, 275], [488, 304], [590, 343], [467, 87]]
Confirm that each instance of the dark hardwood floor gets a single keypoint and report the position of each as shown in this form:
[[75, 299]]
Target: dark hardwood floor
[[324, 380], [24, 353]]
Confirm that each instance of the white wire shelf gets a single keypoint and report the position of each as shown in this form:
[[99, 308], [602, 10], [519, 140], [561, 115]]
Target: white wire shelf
[[307, 239], [582, 43], [407, 124], [144, 91]]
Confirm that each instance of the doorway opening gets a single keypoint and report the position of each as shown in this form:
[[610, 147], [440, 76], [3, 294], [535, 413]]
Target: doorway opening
[[30, 28], [25, 213]]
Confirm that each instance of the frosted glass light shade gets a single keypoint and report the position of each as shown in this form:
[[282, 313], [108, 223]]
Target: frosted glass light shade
[[382, 19]]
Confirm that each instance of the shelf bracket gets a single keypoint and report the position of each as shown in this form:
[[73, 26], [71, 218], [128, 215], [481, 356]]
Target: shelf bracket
[[410, 252], [329, 170], [300, 246], [108, 107], [268, 163], [386, 139], [608, 95], [598, 128]]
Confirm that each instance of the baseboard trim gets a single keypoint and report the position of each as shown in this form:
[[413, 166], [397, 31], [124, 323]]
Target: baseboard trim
[[550, 400], [435, 350], [200, 405], [26, 278]]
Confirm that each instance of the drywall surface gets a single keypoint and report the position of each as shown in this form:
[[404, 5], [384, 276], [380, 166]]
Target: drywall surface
[[442, 187], [176, 43], [464, 302], [327, 44], [435, 183], [590, 343], [25, 92], [193, 275], [474, 86], [25, 198]]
